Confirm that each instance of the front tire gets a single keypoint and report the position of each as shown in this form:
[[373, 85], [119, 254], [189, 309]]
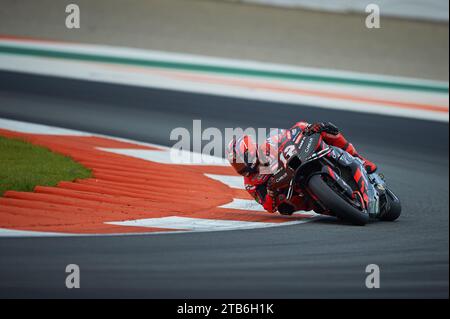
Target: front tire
[[395, 207], [335, 203]]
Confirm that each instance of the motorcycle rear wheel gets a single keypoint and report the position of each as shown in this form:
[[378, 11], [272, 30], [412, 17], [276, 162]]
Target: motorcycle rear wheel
[[335, 203]]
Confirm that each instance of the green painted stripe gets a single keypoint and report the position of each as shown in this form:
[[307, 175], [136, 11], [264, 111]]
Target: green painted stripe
[[221, 69]]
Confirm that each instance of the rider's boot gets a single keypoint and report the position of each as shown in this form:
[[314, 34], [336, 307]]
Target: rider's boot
[[368, 165]]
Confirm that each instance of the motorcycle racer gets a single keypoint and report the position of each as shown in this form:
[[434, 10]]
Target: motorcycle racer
[[244, 155]]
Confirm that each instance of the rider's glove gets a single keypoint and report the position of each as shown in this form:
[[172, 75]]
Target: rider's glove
[[320, 127]]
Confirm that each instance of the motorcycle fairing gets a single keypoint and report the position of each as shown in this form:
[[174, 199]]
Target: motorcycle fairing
[[366, 188]]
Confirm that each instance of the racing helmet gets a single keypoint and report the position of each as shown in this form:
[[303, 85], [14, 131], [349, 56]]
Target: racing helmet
[[242, 153]]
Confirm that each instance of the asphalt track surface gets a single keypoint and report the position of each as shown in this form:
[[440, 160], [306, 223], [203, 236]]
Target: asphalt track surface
[[314, 260]]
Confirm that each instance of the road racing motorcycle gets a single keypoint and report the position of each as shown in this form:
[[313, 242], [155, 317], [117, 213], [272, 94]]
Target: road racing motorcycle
[[335, 181]]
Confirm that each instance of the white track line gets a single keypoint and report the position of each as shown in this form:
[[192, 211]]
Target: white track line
[[200, 224], [230, 181]]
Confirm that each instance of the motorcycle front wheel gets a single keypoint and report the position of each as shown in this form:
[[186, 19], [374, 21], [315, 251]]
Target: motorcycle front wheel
[[395, 207]]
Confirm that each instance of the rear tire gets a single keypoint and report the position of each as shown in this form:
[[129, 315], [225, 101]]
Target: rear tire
[[336, 203]]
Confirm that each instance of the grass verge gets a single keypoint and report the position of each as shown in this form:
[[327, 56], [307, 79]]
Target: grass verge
[[23, 166]]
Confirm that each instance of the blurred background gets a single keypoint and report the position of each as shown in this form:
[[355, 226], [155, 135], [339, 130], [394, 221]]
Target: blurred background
[[412, 40]]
